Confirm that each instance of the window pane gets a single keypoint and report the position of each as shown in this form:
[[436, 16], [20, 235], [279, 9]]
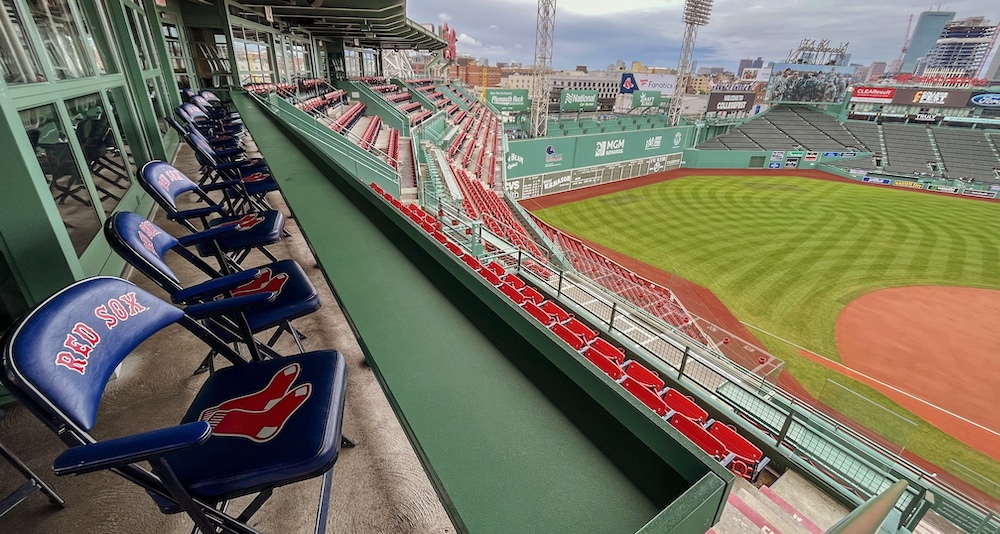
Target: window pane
[[62, 38], [126, 125], [108, 171], [135, 26], [20, 63], [96, 31], [55, 157]]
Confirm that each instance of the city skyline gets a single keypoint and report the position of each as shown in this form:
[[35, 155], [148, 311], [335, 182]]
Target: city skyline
[[651, 30]]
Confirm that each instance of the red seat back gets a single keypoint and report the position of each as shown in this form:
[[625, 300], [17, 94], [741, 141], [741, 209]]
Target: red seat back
[[514, 280], [512, 294], [609, 351], [699, 436], [685, 406], [641, 392], [537, 312], [644, 376], [736, 443], [554, 310], [568, 336], [532, 294], [580, 329], [490, 276]]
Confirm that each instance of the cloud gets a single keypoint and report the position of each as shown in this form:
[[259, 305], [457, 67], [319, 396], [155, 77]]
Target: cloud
[[444, 17], [465, 39], [596, 33]]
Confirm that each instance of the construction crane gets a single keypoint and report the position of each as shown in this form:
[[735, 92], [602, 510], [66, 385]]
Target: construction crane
[[906, 45]]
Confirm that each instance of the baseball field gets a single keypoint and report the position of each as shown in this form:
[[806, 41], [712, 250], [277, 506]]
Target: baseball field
[[893, 294]]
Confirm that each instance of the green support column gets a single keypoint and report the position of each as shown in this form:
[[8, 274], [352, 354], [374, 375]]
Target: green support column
[[132, 68], [173, 95]]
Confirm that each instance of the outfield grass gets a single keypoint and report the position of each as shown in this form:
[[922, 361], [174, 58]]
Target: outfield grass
[[788, 254]]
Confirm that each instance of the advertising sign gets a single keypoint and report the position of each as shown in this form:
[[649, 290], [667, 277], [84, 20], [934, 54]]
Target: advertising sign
[[661, 83], [812, 156], [540, 156], [729, 102], [791, 163], [774, 165], [777, 155], [755, 74], [646, 99], [985, 100], [911, 185], [791, 82], [578, 100], [515, 100], [881, 95], [980, 194], [939, 97]]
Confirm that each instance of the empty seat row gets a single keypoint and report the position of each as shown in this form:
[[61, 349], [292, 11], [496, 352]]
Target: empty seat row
[[344, 122]]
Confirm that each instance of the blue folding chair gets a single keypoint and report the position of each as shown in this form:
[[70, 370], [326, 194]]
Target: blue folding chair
[[291, 295], [252, 427], [167, 185], [215, 112], [231, 165], [197, 119]]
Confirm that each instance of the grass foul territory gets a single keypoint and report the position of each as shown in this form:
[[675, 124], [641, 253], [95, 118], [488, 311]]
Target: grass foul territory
[[787, 254]]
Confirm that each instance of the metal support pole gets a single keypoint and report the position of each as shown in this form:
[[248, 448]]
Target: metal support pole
[[611, 320], [684, 361]]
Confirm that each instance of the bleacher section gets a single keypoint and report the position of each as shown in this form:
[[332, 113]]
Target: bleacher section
[[398, 97], [867, 133], [908, 149], [485, 205], [787, 127], [966, 153], [605, 124], [346, 121]]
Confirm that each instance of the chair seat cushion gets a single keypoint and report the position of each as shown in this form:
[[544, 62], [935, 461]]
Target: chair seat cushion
[[274, 422], [293, 296], [249, 230]]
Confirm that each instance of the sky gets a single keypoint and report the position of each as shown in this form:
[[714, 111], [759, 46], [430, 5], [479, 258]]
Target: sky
[[597, 33]]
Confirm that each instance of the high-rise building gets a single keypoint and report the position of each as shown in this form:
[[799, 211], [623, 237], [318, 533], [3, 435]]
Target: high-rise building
[[876, 70], [925, 35], [992, 72], [749, 64], [961, 49]]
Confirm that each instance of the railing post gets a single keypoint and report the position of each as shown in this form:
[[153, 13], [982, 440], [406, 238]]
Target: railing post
[[611, 320], [519, 252], [559, 285], [784, 429], [684, 361]]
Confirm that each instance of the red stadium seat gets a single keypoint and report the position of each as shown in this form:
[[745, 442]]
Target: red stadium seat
[[699, 436], [512, 294], [496, 268], [568, 336], [581, 330], [746, 453], [609, 351], [685, 406], [555, 311], [532, 294], [604, 364], [644, 394], [537, 312], [490, 277], [471, 261], [440, 237], [454, 248], [514, 280], [644, 376]]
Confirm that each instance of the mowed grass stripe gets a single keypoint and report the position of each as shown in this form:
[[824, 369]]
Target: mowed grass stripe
[[788, 254], [775, 238]]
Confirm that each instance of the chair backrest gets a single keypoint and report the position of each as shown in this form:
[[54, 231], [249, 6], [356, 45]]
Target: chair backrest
[[206, 154], [165, 183], [187, 94], [210, 96], [194, 113], [176, 126], [202, 104], [59, 357], [143, 245]]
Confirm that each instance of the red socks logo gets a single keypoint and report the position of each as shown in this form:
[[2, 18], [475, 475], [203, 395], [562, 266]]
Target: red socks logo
[[260, 416], [265, 282]]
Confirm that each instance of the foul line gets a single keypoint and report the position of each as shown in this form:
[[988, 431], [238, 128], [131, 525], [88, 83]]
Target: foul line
[[877, 381]]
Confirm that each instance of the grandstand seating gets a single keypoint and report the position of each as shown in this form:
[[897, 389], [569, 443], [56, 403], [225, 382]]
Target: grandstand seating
[[392, 151], [344, 123], [908, 149], [867, 133], [787, 127], [486, 205], [966, 153], [371, 132]]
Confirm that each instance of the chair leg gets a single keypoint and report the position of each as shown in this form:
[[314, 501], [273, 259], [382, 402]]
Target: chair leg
[[324, 502], [32, 485], [347, 442]]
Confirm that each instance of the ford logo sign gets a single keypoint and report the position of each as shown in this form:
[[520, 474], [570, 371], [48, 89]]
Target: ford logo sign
[[987, 100]]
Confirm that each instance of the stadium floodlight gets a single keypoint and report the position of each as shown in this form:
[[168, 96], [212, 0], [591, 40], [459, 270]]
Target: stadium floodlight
[[696, 13], [544, 38]]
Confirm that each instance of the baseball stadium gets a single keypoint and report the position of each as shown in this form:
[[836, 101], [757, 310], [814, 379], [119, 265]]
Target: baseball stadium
[[277, 266]]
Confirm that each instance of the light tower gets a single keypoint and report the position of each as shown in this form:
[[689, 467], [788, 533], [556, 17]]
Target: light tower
[[696, 13], [545, 33]]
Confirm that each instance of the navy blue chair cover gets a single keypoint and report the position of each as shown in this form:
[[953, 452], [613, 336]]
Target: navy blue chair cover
[[290, 293], [252, 427]]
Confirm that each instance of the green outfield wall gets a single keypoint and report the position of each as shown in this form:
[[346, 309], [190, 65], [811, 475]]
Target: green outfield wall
[[537, 167]]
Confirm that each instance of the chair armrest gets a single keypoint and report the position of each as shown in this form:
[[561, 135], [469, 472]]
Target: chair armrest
[[194, 212], [214, 287], [215, 308], [225, 184], [204, 235], [130, 449]]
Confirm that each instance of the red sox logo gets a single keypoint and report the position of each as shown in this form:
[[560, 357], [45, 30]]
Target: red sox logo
[[265, 282], [245, 223], [256, 177], [261, 415], [147, 231], [168, 177]]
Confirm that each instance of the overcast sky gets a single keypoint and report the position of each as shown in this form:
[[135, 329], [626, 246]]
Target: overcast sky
[[596, 33]]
